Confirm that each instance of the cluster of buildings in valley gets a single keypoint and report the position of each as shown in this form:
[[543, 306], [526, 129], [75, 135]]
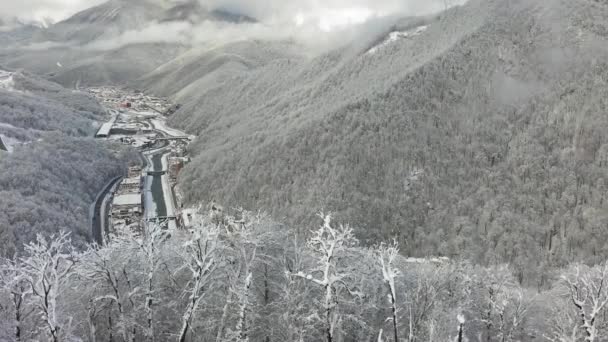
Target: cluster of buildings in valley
[[127, 204], [123, 100], [137, 121]]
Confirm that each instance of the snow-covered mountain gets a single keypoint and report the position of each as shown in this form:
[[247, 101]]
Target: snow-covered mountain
[[482, 98], [115, 42], [107, 20], [116, 17], [30, 105], [194, 12]]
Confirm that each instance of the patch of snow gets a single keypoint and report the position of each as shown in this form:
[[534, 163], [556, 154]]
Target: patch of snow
[[161, 125], [460, 318], [434, 260], [172, 225], [6, 81], [396, 36]]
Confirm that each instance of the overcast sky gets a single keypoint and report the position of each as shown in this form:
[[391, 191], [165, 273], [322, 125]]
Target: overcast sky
[[327, 14], [41, 9]]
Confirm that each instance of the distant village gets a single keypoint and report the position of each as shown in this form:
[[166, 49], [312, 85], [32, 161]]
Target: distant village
[[138, 120]]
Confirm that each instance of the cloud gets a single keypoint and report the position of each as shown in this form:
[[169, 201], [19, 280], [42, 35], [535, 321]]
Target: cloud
[[40, 10], [323, 12], [327, 12], [217, 33], [316, 23]]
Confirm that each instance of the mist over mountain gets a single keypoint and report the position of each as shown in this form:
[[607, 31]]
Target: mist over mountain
[[90, 47], [96, 46]]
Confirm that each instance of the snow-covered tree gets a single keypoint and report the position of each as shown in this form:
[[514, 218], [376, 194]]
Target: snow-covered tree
[[47, 268], [461, 322], [201, 257], [14, 296], [327, 244], [241, 244], [587, 292], [105, 271], [387, 255], [150, 246]]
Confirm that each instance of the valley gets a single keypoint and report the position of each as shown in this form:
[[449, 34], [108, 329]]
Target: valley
[[147, 195], [269, 171]]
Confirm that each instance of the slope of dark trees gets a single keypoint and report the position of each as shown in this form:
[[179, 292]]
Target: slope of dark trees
[[39, 105], [54, 172], [481, 138], [49, 186]]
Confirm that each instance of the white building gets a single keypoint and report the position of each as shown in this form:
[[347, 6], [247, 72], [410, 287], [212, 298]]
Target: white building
[[105, 129], [127, 206]]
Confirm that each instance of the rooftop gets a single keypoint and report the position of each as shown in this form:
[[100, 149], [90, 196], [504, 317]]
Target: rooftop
[[128, 199], [105, 129], [133, 180]]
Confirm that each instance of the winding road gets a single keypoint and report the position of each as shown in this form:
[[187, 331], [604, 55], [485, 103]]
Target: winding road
[[101, 211]]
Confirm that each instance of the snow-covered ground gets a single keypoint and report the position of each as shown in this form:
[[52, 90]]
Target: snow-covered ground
[[396, 36], [161, 125], [433, 260], [6, 81], [128, 126], [167, 191], [137, 141]]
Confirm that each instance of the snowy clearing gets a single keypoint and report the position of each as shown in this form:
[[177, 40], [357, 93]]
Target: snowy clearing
[[161, 125], [396, 36], [6, 81]]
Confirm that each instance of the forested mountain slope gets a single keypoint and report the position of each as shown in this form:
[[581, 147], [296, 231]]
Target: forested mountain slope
[[28, 102], [81, 68], [481, 137], [55, 169], [106, 20], [48, 186], [200, 70]]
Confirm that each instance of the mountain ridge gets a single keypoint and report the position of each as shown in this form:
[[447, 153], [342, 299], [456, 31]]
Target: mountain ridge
[[344, 131]]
